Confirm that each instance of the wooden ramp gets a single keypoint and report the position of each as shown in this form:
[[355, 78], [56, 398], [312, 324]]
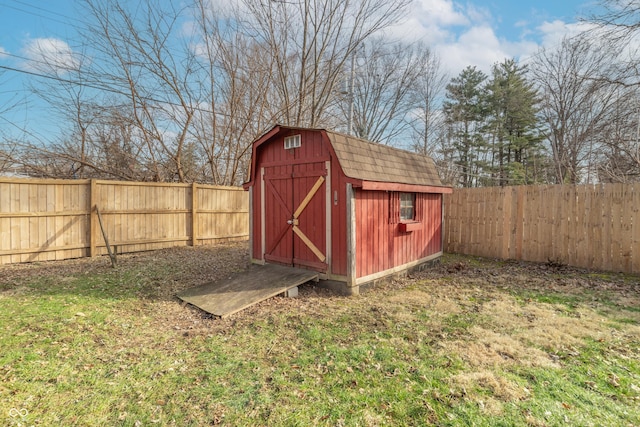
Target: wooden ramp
[[257, 283]]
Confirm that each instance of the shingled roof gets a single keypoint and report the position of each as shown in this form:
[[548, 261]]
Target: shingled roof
[[369, 161]]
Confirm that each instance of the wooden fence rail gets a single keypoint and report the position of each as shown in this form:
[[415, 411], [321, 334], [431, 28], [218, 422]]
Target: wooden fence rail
[[56, 219], [590, 226]]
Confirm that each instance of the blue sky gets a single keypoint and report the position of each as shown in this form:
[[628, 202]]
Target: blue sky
[[512, 16], [473, 32]]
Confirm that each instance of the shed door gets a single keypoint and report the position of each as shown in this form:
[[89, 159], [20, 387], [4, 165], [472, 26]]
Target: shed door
[[295, 222]]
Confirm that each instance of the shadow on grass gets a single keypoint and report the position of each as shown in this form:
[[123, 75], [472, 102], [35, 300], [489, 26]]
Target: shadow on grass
[[157, 275]]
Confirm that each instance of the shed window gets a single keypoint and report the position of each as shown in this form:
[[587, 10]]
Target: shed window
[[407, 206], [292, 142]]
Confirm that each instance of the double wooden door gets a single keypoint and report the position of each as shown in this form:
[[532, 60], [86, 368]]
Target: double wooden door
[[294, 216]]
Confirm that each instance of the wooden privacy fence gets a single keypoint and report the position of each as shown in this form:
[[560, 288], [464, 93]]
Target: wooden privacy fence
[[57, 219], [590, 226]]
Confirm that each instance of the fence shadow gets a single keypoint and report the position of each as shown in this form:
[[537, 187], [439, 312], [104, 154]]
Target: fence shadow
[[49, 242]]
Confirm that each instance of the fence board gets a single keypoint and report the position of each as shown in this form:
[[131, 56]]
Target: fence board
[[55, 219], [626, 227], [635, 228], [582, 246], [596, 227], [550, 215]]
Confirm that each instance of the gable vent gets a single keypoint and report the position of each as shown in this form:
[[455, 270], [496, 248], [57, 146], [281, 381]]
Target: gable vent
[[292, 142]]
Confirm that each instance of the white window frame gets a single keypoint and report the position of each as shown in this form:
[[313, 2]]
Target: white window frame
[[293, 141]]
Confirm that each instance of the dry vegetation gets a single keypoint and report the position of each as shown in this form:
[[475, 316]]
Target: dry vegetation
[[465, 341]]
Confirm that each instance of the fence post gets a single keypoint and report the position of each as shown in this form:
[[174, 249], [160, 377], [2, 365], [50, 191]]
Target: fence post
[[93, 218], [194, 214]]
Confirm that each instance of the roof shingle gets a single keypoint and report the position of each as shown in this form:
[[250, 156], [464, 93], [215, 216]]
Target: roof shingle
[[369, 161]]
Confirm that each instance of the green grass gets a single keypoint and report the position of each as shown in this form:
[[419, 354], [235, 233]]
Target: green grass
[[93, 346]]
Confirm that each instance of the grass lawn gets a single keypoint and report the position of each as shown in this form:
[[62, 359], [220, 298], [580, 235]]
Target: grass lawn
[[466, 342]]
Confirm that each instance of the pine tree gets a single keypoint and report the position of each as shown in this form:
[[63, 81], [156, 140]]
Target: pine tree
[[512, 124], [464, 110]]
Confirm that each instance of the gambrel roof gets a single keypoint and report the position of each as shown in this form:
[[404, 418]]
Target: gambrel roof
[[369, 161]]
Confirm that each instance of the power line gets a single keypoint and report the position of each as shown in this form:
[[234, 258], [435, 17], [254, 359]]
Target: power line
[[104, 88], [63, 18], [50, 12], [23, 58]]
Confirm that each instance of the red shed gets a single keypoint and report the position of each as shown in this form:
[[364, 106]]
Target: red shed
[[353, 210]]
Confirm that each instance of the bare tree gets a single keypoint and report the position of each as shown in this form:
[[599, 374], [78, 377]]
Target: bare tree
[[10, 101], [383, 93], [74, 103], [429, 127], [618, 156], [138, 57], [310, 42], [59, 81], [575, 102], [9, 163], [7, 143], [619, 18], [236, 83], [618, 22], [445, 156]]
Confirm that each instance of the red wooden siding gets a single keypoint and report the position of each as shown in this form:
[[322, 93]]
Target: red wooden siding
[[312, 149], [380, 245]]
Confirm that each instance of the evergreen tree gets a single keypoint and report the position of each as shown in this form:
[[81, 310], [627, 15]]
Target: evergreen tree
[[464, 110], [512, 125]]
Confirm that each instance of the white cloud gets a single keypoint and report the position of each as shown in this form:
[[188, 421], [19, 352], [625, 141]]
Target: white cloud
[[49, 55], [627, 52], [440, 12], [189, 29], [478, 15], [478, 46], [431, 21], [553, 32], [464, 34]]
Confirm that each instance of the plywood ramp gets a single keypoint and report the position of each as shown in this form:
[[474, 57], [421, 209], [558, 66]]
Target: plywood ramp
[[257, 283]]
